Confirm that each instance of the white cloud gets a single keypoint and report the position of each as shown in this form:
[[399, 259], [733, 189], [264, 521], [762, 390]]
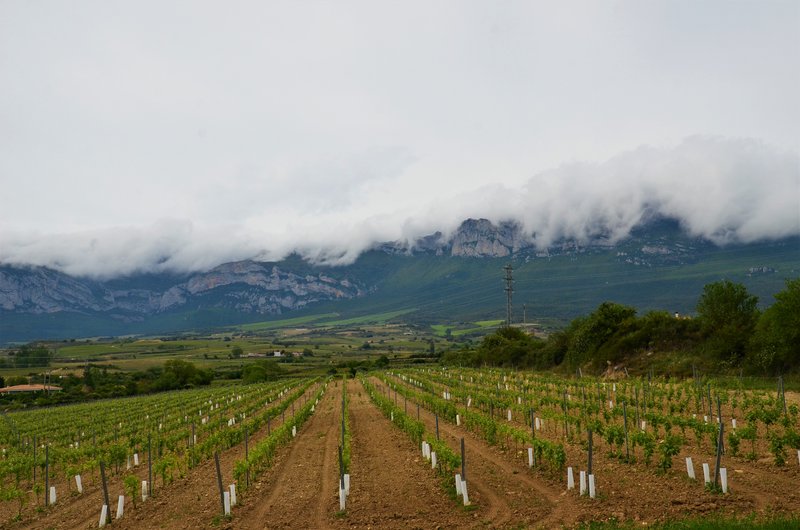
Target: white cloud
[[725, 190], [265, 127]]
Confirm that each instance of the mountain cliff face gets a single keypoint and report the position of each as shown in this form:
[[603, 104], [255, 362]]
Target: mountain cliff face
[[474, 238], [479, 238], [244, 286], [41, 290], [457, 277]]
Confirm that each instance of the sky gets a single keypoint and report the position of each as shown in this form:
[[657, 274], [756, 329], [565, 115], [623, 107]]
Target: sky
[[147, 136]]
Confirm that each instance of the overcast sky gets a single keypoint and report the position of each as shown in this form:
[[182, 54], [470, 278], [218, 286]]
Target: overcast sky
[[146, 135]]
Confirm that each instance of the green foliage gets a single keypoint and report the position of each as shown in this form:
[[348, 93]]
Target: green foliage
[[728, 315], [613, 332], [792, 438], [14, 380], [776, 447], [669, 447], [734, 440], [614, 435], [648, 443], [165, 467], [509, 346], [10, 492], [593, 331], [382, 362], [705, 522], [729, 329], [777, 334], [264, 370], [32, 355], [182, 374], [131, 484]]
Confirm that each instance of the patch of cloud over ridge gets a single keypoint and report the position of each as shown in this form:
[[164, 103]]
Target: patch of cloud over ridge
[[722, 189]]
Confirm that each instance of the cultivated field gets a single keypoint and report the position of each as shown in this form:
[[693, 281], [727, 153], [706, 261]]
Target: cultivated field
[[285, 446]]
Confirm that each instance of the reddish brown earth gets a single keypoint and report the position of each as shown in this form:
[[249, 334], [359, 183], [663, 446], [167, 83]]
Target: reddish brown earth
[[635, 491], [392, 486], [505, 493], [188, 502], [300, 490], [387, 472]]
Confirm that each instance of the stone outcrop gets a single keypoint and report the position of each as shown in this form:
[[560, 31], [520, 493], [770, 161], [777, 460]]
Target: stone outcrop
[[245, 286]]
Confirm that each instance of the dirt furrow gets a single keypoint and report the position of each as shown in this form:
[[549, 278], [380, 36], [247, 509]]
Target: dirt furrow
[[506, 493], [392, 486], [300, 489]]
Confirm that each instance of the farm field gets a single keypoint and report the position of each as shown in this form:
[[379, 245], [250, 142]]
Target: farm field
[[306, 348], [279, 444]]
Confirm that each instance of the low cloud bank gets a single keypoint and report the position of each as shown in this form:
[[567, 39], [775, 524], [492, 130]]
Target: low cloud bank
[[725, 190]]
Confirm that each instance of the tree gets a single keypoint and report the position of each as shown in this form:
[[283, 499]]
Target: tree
[[29, 355], [253, 373], [182, 374], [776, 343], [728, 315], [509, 346], [266, 370], [14, 380], [587, 335], [382, 362], [236, 352]]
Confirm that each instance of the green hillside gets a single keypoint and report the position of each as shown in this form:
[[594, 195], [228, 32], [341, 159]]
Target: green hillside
[[427, 289]]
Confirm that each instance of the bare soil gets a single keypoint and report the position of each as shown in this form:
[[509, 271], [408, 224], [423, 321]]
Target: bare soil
[[388, 472], [392, 486], [635, 492], [188, 502]]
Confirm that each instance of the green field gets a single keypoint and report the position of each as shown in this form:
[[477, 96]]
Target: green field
[[286, 322], [481, 326]]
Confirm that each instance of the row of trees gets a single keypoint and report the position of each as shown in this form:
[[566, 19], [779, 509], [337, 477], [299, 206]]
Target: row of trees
[[97, 382], [30, 355], [729, 331]]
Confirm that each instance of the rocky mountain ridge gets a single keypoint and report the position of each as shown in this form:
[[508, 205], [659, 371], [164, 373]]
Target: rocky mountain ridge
[[431, 273], [249, 286], [257, 288]]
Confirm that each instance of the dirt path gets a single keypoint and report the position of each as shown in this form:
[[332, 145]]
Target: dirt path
[[391, 484], [300, 491], [506, 495]]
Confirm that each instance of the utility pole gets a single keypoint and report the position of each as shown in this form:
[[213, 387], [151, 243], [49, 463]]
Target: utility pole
[[509, 292], [524, 313]]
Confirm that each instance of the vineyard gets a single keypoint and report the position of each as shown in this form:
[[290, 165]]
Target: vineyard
[[405, 448]]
